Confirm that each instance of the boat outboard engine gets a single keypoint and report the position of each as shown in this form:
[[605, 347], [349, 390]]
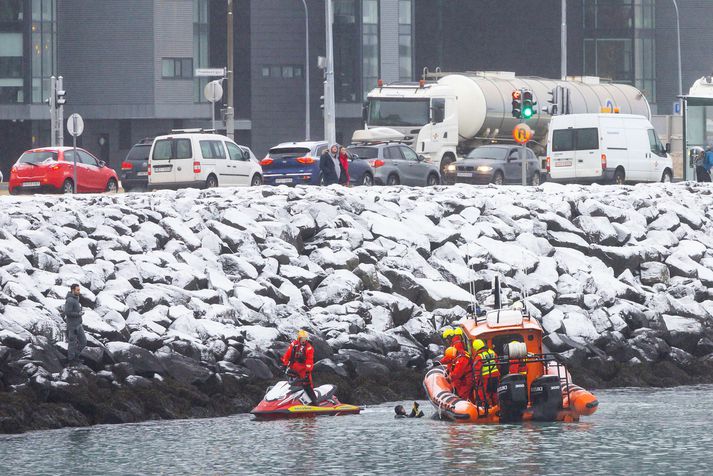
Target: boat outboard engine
[[512, 395], [546, 397]]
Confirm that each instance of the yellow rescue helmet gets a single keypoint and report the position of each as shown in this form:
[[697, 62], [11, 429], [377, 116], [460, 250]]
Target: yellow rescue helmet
[[302, 334], [478, 344], [447, 333], [450, 353], [457, 331]]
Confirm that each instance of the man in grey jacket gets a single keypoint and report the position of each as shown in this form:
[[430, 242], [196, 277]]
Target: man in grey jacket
[[76, 340]]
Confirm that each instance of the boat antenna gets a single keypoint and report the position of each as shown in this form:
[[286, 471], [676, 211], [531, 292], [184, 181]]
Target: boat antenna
[[496, 291], [471, 285]]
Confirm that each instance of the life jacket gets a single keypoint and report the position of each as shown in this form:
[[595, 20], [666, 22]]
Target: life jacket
[[299, 353], [485, 363]]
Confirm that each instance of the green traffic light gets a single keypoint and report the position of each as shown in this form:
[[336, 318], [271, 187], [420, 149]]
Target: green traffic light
[[527, 112]]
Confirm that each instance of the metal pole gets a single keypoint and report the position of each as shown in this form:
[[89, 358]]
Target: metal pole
[[523, 152], [684, 139], [60, 114], [74, 143], [53, 111], [330, 133], [307, 100], [229, 113], [678, 37], [563, 41]]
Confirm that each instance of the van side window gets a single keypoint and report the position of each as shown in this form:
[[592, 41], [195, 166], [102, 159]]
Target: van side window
[[562, 140], [236, 153], [587, 139], [212, 149]]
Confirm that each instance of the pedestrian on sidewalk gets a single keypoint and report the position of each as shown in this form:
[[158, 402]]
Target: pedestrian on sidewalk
[[76, 340], [708, 163], [329, 165], [344, 163]]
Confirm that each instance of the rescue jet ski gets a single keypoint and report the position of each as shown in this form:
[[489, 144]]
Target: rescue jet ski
[[285, 400]]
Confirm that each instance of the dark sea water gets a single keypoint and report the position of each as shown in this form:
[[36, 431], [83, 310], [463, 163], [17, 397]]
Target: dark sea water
[[636, 431]]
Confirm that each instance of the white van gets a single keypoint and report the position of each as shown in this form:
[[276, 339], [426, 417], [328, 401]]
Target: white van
[[608, 148], [203, 160]]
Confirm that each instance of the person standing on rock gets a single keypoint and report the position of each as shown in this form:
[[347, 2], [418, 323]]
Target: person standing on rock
[[76, 340], [299, 359], [329, 165]]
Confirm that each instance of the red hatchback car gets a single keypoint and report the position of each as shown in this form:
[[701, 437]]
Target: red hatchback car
[[51, 170]]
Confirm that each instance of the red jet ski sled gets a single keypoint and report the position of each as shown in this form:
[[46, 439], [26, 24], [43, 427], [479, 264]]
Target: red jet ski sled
[[285, 400]]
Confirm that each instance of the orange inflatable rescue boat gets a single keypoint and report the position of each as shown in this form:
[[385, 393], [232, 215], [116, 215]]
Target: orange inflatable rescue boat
[[531, 386]]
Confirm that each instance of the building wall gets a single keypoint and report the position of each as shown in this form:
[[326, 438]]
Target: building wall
[[173, 38]]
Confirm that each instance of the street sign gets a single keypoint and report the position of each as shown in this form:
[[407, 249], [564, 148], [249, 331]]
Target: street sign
[[522, 133], [213, 91], [75, 125], [210, 72]]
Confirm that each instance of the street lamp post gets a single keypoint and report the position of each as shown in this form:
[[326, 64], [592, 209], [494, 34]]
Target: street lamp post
[[229, 110], [307, 102], [330, 132], [563, 41]]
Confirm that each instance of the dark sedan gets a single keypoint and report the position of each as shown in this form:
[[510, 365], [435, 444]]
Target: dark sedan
[[498, 164]]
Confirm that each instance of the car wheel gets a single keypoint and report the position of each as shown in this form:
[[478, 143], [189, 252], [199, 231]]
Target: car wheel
[[367, 180], [211, 182], [666, 177], [432, 180], [68, 186], [536, 179], [393, 179], [498, 178], [619, 177], [256, 181], [112, 186]]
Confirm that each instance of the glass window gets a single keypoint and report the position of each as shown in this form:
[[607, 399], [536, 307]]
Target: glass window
[[177, 68], [393, 153], [139, 152], [37, 157], [370, 45], [397, 112], [69, 156], [298, 72], [562, 140], [288, 72], [408, 153], [347, 70], [162, 150], [235, 152], [494, 153], [43, 47], [365, 152], [87, 158], [200, 47], [183, 149], [265, 71], [405, 40], [212, 149], [587, 138]]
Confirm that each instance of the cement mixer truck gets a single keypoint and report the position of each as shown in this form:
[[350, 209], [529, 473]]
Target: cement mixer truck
[[446, 115]]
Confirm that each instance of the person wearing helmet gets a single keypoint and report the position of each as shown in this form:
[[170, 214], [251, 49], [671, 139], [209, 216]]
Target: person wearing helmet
[[486, 372], [454, 338], [459, 372], [299, 359]]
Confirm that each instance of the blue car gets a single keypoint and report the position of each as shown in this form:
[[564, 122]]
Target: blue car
[[297, 163]]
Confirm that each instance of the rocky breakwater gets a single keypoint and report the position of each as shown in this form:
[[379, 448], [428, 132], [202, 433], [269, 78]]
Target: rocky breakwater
[[191, 296]]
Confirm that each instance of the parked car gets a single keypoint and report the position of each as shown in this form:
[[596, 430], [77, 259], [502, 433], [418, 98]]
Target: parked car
[[293, 163], [498, 164], [609, 148], [51, 169], [135, 167], [190, 158], [394, 164]]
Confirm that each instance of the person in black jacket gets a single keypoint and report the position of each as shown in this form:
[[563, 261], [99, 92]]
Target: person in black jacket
[[330, 167], [76, 340]]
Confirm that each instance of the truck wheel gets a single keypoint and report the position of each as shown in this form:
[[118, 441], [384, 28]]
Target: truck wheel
[[666, 177], [445, 162], [393, 180], [536, 179], [498, 178], [619, 177], [211, 181]]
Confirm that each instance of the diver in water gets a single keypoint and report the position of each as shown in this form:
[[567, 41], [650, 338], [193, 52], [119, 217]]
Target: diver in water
[[401, 411]]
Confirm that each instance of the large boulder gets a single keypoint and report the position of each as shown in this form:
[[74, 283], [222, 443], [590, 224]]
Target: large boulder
[[337, 288], [141, 360]]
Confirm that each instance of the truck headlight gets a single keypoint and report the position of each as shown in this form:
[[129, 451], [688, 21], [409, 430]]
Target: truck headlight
[[485, 168], [451, 168]]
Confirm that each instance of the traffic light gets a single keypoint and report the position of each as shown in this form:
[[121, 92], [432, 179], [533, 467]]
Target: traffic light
[[528, 104], [516, 104], [554, 105], [61, 98], [321, 103]]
